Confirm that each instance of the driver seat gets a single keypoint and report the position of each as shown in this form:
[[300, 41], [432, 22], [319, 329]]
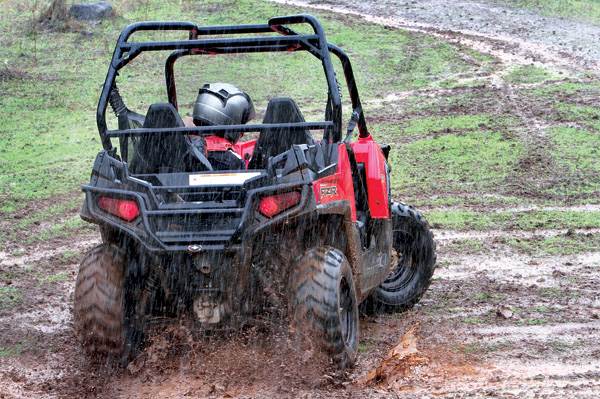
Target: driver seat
[[166, 152], [274, 141]]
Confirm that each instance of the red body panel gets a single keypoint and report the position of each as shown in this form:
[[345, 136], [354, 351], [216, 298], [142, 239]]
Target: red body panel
[[368, 152], [243, 149], [338, 186]]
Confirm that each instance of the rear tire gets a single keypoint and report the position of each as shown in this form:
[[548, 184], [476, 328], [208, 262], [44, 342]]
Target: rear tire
[[105, 322], [323, 303], [415, 256]]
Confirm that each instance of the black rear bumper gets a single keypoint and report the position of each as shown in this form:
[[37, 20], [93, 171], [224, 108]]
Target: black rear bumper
[[194, 227]]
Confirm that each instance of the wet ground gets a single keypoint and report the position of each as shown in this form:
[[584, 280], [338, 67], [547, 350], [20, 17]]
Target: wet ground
[[497, 321], [530, 35]]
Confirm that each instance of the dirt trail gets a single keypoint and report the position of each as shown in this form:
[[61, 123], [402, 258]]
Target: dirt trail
[[514, 35]]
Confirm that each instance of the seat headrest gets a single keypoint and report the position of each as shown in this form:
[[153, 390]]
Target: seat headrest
[[162, 115], [282, 110]]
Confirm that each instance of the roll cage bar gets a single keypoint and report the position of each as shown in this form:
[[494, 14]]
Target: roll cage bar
[[287, 40]]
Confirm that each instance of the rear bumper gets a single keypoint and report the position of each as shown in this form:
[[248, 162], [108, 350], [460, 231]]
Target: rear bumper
[[199, 227]]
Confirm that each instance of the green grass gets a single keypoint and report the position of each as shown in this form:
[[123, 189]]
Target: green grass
[[566, 89], [569, 244], [578, 151], [472, 162], [436, 124], [530, 220], [585, 10], [54, 278], [10, 296], [528, 74], [49, 137], [558, 245]]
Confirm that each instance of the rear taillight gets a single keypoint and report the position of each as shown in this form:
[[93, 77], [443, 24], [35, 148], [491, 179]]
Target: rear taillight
[[127, 210], [275, 204]]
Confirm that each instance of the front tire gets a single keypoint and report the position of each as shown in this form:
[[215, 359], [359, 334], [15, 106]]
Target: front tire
[[105, 322], [415, 256], [323, 303]]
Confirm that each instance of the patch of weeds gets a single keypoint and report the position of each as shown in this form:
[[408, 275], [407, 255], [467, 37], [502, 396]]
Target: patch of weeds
[[436, 124], [69, 256], [566, 89], [54, 278], [577, 113], [464, 201], [467, 246], [477, 347], [10, 296], [562, 346], [473, 320], [365, 345], [485, 296], [50, 212], [532, 322], [585, 10], [528, 74], [61, 230], [559, 294], [10, 351], [578, 151], [559, 245]]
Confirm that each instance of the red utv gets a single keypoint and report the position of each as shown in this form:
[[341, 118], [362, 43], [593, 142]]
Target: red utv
[[305, 223]]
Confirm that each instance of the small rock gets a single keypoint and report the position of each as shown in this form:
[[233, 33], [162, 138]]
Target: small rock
[[557, 273], [505, 312], [91, 11]]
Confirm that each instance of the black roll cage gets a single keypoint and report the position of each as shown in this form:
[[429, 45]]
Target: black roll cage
[[287, 40]]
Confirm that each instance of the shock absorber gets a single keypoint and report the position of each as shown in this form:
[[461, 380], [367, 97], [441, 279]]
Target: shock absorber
[[116, 102]]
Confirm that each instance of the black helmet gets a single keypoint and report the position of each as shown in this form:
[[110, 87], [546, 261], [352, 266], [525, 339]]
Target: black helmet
[[222, 104]]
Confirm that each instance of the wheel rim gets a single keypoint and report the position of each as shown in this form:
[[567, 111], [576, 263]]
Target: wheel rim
[[402, 275], [346, 311]]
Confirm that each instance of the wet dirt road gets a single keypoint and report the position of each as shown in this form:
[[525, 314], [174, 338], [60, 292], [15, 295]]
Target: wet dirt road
[[528, 36], [494, 324]]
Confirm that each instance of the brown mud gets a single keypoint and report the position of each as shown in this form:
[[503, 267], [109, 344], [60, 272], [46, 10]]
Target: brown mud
[[467, 344]]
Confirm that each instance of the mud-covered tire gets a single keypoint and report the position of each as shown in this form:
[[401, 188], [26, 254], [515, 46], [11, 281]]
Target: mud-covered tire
[[103, 324], [415, 255], [323, 304]]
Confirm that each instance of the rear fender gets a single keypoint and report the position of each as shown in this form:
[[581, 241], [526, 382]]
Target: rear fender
[[368, 152], [337, 186]]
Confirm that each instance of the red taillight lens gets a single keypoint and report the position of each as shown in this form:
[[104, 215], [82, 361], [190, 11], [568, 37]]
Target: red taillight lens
[[275, 204], [125, 209]]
